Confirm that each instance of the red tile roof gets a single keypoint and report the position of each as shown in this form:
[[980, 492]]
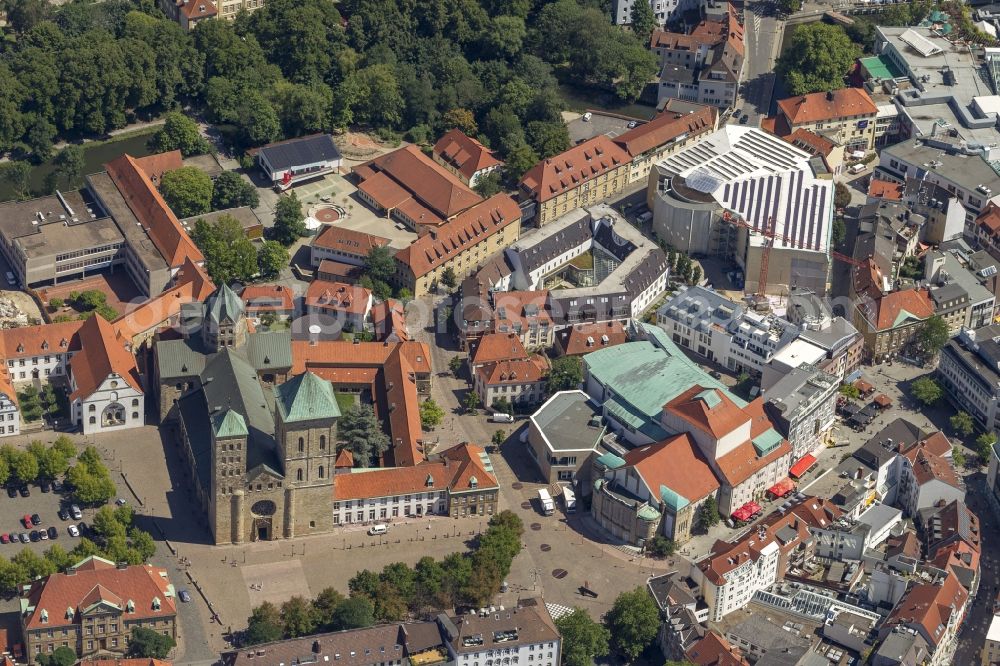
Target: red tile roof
[[475, 225], [420, 177], [574, 167], [517, 311], [885, 189], [929, 467], [267, 298], [823, 106], [500, 373], [497, 347], [197, 9], [928, 607], [149, 207], [117, 661], [338, 297], [26, 341], [103, 354], [348, 241], [676, 463], [307, 355], [666, 127], [912, 301], [191, 284], [453, 472], [811, 142], [464, 153], [573, 340], [139, 584], [743, 462], [695, 406], [388, 318], [714, 650]]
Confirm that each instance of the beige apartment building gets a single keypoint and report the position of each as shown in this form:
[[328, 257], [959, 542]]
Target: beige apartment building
[[461, 244], [581, 176], [847, 114]]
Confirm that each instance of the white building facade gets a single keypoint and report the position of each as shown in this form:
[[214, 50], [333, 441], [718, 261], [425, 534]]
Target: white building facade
[[115, 405]]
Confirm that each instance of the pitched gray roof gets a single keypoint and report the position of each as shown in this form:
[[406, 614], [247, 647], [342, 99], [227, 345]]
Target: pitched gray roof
[[224, 305], [270, 350], [297, 152], [179, 359]]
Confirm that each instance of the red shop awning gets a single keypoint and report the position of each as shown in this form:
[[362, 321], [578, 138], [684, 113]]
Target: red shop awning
[[804, 464]]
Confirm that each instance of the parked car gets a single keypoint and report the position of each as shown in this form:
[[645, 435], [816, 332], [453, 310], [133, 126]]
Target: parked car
[[120, 501], [25, 491], [83, 527], [631, 124], [10, 279], [11, 492], [36, 520], [26, 520], [45, 486], [73, 531], [715, 374], [63, 514], [501, 417], [53, 532], [43, 534], [587, 116], [4, 538], [34, 536], [184, 595], [75, 510], [744, 119], [23, 537]]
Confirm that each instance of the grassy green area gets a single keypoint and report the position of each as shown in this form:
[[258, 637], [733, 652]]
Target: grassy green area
[[584, 262], [345, 401]]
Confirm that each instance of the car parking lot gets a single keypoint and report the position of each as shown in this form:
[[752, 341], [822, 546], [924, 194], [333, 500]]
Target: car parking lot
[[581, 129], [46, 506]]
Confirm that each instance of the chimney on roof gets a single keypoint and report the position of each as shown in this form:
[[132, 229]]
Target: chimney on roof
[[829, 95]]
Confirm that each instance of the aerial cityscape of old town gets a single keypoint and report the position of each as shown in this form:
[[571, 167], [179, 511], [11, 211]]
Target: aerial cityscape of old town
[[499, 333]]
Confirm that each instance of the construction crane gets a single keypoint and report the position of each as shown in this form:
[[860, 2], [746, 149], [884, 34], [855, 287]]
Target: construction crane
[[770, 235]]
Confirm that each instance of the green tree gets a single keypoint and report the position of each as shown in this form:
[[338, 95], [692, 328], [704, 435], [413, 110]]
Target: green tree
[[264, 625], [431, 414], [149, 644], [489, 184], [17, 175], [471, 402], [643, 20], [380, 264], [324, 606], [461, 119], [272, 257], [839, 230], [934, 335], [353, 613], [549, 138], [661, 546], [448, 278], [297, 617], [984, 446], [519, 161], [841, 196], [89, 480], [958, 456], [850, 391], [455, 364], [962, 424], [69, 164], [633, 622], [231, 191], [380, 102], [502, 404], [695, 275], [229, 254], [188, 191], [289, 221], [360, 431], [499, 437], [179, 133], [708, 513], [926, 390], [61, 656], [12, 576], [565, 374], [23, 465], [817, 59], [789, 6], [583, 640]]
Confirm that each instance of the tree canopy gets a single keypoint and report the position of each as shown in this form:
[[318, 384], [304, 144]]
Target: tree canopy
[[633, 622], [583, 639], [817, 59], [360, 431], [180, 133], [289, 220], [188, 191], [566, 373], [934, 335], [230, 190], [926, 390], [229, 254]]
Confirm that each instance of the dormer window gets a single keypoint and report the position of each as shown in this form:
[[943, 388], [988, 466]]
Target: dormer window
[[20, 348], [69, 613], [473, 482], [44, 616], [130, 606], [156, 603]]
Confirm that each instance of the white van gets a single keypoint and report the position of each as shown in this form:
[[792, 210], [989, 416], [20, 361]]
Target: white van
[[587, 116], [501, 417], [858, 168], [377, 529]]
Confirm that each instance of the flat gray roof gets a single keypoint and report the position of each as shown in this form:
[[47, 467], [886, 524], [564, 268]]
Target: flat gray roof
[[46, 226], [565, 422], [138, 240], [966, 171]]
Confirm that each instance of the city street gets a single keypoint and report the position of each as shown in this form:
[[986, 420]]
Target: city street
[[763, 33], [980, 614]]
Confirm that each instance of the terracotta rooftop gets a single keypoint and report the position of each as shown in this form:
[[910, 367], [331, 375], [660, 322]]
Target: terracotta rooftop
[[576, 340], [338, 297], [464, 153], [715, 650], [498, 373], [823, 106], [898, 307], [709, 410], [267, 298], [467, 229], [517, 311], [197, 9], [103, 353], [666, 127], [743, 462], [885, 189], [574, 167], [141, 586], [453, 472], [26, 341], [421, 178], [348, 241], [389, 318], [495, 347], [676, 463], [144, 200], [929, 607], [810, 142], [191, 284]]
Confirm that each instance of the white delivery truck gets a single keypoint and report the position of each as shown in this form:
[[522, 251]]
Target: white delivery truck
[[569, 500], [548, 506], [858, 168]]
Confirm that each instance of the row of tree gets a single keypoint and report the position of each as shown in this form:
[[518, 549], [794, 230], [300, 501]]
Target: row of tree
[[398, 590]]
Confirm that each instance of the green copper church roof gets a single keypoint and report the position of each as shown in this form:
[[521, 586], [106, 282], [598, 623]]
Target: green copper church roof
[[306, 397], [225, 305], [229, 424], [674, 501]]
